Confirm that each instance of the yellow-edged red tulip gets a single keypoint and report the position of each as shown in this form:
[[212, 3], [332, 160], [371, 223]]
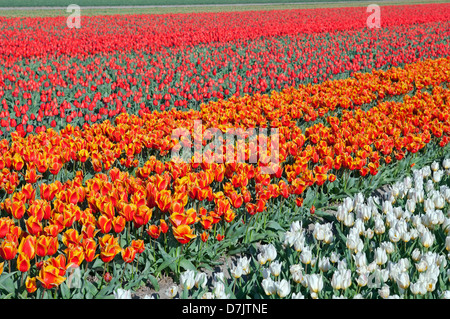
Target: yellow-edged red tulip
[[183, 233], [108, 252], [23, 262], [49, 276], [118, 224], [90, 248], [104, 223], [8, 249], [138, 244], [34, 226], [28, 246], [128, 254], [74, 255], [153, 231], [31, 284]]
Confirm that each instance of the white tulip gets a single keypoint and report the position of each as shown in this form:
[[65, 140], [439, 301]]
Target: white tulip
[[411, 205], [306, 255], [171, 291], [439, 201], [244, 262], [362, 280], [297, 296], [336, 280], [187, 279], [434, 166], [270, 252], [379, 227], [426, 171], [275, 268], [218, 289], [360, 259], [380, 256], [394, 235], [437, 176], [262, 258], [427, 239], [283, 288], [200, 280], [315, 283], [384, 292], [445, 294], [418, 288], [403, 280], [446, 163], [236, 271], [416, 254], [446, 224], [421, 266], [122, 294], [334, 257], [324, 264], [269, 286], [349, 220]]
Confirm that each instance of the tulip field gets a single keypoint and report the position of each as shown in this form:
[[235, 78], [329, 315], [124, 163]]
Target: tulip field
[[93, 204]]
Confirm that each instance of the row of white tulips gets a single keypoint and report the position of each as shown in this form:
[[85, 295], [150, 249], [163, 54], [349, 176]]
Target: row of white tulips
[[391, 246]]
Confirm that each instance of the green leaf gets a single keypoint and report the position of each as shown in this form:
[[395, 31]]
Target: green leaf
[[187, 265], [154, 282], [65, 291]]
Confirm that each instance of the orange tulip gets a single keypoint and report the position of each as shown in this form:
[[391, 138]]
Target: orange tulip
[[60, 263], [154, 231], [204, 236], [5, 223], [31, 176], [138, 245], [128, 254], [23, 262], [42, 245], [183, 233], [49, 276], [71, 237], [142, 216], [108, 252], [88, 230], [104, 223], [34, 227], [30, 284], [90, 247], [118, 224], [18, 209], [28, 246], [128, 211], [163, 226], [75, 255], [8, 249]]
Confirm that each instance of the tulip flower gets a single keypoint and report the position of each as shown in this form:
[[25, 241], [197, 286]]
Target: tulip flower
[[187, 279], [8, 249], [108, 252], [23, 263], [49, 276], [183, 234], [128, 254], [30, 284]]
